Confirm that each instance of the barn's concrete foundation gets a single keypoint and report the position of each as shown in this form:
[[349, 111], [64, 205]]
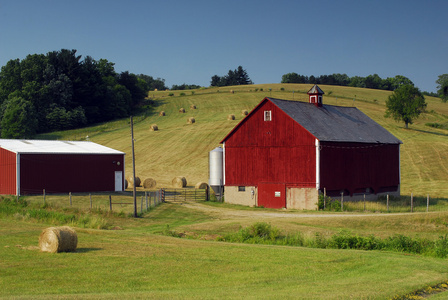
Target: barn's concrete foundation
[[301, 198], [243, 195]]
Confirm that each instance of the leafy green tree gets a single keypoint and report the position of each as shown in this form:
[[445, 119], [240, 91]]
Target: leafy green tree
[[294, 78], [442, 87], [405, 104], [153, 84], [18, 120], [216, 80]]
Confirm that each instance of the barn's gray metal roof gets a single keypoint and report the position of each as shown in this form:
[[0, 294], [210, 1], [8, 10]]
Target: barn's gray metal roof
[[336, 123], [56, 147]]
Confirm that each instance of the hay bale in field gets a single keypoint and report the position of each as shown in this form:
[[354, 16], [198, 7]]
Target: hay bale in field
[[182, 110], [232, 91], [58, 239], [231, 117], [131, 181], [192, 106], [179, 182], [244, 112], [154, 127], [191, 120], [149, 183], [162, 113], [201, 185]]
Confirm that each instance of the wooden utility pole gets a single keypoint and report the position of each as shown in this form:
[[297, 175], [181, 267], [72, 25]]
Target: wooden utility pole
[[133, 170]]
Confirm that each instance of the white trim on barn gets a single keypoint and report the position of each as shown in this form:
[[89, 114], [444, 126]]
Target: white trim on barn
[[224, 163], [317, 164], [18, 174]]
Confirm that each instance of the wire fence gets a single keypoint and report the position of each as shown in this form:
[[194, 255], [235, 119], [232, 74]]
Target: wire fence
[[387, 204], [120, 202]]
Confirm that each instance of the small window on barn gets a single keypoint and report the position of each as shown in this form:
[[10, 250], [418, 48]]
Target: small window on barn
[[267, 115], [241, 189]]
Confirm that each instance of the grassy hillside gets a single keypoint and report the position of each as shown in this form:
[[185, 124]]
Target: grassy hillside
[[181, 149]]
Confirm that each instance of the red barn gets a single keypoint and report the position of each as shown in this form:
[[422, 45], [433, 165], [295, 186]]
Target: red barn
[[30, 166], [284, 153]]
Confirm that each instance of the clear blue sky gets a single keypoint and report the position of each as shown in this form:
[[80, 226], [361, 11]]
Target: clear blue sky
[[190, 41]]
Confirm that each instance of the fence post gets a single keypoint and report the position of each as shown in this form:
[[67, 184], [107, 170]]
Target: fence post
[[342, 201], [364, 202], [412, 202], [387, 202], [91, 204], [146, 199], [427, 203], [70, 197], [141, 206], [110, 202]]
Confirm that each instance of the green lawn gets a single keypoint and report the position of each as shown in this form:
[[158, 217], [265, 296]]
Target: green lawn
[[136, 261], [135, 264]]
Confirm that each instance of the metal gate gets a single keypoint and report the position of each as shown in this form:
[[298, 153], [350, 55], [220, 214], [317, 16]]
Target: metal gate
[[182, 195]]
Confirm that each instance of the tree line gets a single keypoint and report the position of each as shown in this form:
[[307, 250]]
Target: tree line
[[59, 91], [238, 76], [371, 82]]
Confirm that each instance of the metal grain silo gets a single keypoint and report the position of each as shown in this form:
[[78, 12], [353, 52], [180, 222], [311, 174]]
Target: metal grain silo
[[216, 170]]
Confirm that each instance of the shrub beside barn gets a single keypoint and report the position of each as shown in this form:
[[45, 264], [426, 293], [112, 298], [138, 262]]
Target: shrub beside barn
[[284, 153], [30, 166]]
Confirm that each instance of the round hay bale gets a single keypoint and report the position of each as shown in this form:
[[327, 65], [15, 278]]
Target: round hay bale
[[191, 120], [192, 106], [131, 181], [244, 112], [232, 91], [154, 127], [179, 182], [162, 113], [58, 239], [201, 185], [182, 110], [149, 183], [231, 117]]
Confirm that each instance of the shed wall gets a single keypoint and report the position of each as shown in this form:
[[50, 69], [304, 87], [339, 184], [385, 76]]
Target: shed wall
[[63, 173], [355, 167], [8, 173]]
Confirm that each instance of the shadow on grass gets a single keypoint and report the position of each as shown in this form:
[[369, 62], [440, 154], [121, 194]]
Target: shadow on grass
[[86, 250]]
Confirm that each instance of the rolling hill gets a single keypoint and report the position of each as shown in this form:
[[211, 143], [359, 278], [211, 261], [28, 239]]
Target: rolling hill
[[181, 149]]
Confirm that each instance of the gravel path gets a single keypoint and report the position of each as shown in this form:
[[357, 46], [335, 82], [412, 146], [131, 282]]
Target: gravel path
[[231, 213]]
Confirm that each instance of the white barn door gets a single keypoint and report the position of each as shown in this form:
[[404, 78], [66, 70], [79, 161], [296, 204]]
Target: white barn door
[[118, 181]]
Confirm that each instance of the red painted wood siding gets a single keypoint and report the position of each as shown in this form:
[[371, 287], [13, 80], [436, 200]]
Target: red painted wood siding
[[8, 175], [63, 173], [277, 151], [356, 166]]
